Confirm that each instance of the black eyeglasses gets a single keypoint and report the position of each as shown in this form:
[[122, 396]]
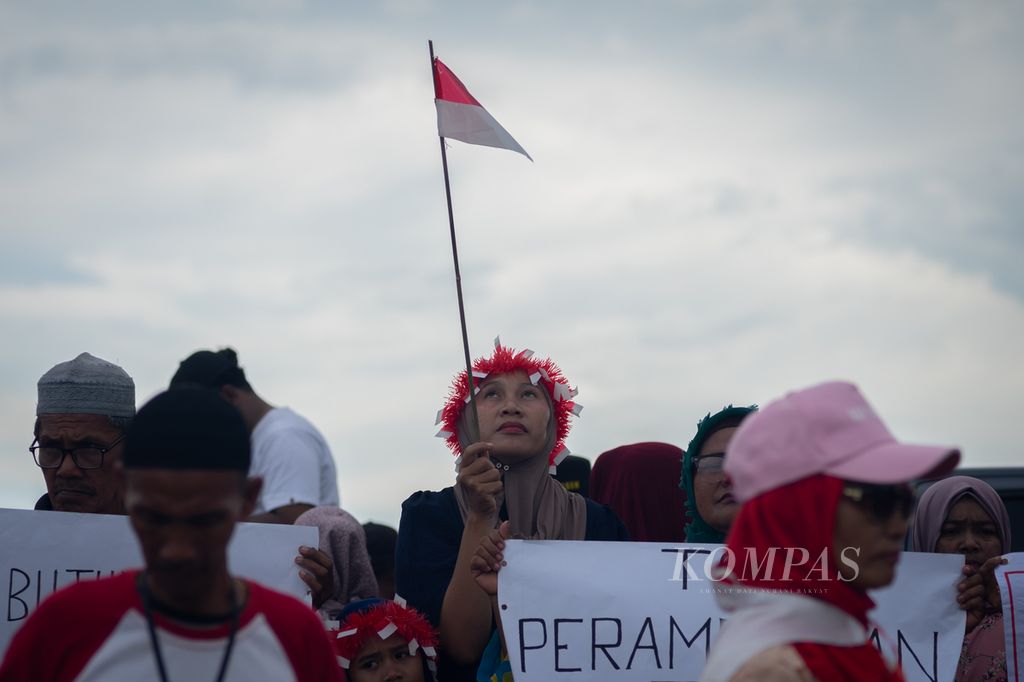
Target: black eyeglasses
[[881, 501], [84, 457], [710, 463]]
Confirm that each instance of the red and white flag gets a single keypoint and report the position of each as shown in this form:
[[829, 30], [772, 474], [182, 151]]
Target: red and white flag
[[461, 117]]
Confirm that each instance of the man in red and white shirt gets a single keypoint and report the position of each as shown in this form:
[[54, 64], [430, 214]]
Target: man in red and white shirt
[[184, 617]]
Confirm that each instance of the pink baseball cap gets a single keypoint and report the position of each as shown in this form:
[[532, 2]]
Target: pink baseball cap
[[826, 429]]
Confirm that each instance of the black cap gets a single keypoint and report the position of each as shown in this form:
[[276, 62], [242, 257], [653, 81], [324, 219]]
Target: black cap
[[574, 474]]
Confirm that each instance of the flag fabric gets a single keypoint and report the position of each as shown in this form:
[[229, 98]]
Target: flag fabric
[[461, 117]]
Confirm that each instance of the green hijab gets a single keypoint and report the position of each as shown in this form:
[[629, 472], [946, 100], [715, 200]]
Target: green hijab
[[697, 530]]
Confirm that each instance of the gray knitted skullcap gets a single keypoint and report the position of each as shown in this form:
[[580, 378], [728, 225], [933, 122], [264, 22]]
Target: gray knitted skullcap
[[86, 385]]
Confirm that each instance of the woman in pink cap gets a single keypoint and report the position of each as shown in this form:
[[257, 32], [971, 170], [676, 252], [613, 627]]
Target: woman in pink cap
[[523, 408], [817, 474]]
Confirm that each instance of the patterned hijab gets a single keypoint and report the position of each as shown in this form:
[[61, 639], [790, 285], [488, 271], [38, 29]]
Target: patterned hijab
[[697, 530]]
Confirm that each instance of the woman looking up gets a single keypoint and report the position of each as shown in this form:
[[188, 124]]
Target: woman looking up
[[964, 515], [523, 406]]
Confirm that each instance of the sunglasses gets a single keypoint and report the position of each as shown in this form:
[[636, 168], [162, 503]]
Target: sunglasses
[[881, 501]]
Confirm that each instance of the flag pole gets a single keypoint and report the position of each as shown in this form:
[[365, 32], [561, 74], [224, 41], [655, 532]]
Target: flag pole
[[474, 426]]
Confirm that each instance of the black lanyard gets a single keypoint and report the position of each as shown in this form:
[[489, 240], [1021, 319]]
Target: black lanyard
[[147, 605]]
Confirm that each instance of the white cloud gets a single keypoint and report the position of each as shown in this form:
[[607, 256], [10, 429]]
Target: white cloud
[[692, 233]]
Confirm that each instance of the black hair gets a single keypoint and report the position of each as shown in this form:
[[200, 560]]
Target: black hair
[[188, 428], [380, 545], [211, 369]]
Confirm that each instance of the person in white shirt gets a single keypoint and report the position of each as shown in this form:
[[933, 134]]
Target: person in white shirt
[[288, 452]]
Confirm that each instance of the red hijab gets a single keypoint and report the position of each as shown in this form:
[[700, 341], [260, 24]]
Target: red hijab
[[640, 483], [802, 515]]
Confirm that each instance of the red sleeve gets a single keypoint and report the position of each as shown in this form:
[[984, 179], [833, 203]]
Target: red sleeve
[[302, 635], [59, 638]]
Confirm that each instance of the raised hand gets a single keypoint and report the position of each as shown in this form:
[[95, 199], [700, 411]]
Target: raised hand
[[317, 572], [978, 591], [489, 559], [993, 600], [480, 480]]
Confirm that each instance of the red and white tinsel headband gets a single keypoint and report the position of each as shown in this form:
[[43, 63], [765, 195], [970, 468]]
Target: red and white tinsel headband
[[382, 620], [504, 360]]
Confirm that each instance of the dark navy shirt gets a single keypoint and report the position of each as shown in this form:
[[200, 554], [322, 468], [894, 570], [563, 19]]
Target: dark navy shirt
[[429, 536]]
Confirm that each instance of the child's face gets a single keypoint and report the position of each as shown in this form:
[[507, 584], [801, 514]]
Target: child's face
[[387, 659]]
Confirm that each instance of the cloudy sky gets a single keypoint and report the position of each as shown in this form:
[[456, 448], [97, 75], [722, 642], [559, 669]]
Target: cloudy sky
[[729, 200]]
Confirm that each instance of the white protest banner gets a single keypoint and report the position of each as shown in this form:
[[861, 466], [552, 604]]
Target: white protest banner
[[1011, 591], [43, 551], [640, 611], [919, 611]]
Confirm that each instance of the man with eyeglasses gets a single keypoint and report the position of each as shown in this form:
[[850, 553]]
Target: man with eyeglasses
[[84, 408], [183, 616]]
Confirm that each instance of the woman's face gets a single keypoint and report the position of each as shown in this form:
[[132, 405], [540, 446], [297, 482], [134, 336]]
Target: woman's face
[[866, 548], [969, 530], [386, 659], [712, 491], [514, 416]]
